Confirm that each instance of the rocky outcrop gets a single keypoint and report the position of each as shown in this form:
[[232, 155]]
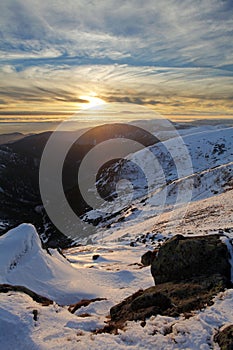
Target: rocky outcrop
[[5, 288], [224, 338], [188, 273], [182, 258], [169, 299], [84, 302], [148, 257]]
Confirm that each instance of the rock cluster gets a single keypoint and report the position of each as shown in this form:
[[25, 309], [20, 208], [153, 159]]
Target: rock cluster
[[188, 273]]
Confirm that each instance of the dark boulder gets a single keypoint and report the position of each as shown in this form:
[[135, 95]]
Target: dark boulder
[[182, 258], [148, 257], [95, 257], [224, 338], [140, 305]]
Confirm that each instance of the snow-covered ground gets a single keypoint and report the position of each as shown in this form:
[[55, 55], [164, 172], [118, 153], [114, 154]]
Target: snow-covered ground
[[57, 328], [116, 272]]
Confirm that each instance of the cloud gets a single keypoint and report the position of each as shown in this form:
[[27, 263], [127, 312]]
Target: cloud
[[164, 89], [171, 32]]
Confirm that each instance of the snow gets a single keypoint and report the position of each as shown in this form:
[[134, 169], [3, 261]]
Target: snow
[[56, 328], [24, 262], [201, 217], [117, 273], [203, 166]]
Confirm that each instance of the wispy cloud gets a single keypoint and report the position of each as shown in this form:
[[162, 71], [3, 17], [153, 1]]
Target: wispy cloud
[[168, 90], [172, 31]]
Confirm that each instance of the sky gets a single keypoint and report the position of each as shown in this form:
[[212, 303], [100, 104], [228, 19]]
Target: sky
[[58, 58]]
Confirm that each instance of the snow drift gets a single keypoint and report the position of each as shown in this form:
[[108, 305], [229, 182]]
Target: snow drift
[[24, 262]]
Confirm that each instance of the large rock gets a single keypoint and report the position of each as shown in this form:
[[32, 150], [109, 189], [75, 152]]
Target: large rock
[[225, 338], [182, 258]]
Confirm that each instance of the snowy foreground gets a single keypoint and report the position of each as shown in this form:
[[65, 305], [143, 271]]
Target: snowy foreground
[[116, 272], [114, 276]]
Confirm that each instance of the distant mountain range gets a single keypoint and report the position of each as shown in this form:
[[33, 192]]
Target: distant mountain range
[[7, 138]]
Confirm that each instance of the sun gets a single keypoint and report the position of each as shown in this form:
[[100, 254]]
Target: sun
[[93, 101]]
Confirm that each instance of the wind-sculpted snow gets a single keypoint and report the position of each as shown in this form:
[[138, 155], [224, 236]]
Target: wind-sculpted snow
[[24, 262], [17, 246]]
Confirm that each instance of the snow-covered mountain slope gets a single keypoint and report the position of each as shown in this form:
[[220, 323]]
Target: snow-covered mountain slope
[[180, 157], [115, 274], [211, 214], [212, 175], [179, 171]]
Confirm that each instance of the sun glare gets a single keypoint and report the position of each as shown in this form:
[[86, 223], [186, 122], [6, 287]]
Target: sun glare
[[93, 101]]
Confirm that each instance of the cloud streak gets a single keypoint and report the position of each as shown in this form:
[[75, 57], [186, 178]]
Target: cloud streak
[[168, 90]]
